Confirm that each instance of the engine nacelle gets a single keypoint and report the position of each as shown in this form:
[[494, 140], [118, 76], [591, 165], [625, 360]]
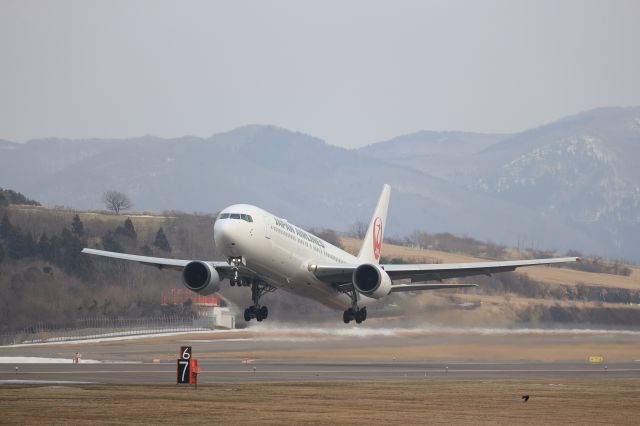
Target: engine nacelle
[[371, 280], [201, 277]]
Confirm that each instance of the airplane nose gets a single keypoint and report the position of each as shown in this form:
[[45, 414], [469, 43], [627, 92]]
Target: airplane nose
[[225, 234]]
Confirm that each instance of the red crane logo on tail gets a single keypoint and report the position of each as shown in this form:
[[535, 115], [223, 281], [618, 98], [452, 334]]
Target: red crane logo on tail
[[377, 238]]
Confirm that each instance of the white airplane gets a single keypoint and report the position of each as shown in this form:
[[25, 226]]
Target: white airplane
[[266, 253]]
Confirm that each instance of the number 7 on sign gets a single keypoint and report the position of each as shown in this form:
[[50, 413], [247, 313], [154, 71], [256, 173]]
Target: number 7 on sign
[[184, 375]]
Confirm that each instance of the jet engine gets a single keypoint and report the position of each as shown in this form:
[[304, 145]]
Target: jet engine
[[371, 280], [201, 277]]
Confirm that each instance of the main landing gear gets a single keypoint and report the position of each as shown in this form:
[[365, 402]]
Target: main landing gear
[[257, 311], [259, 314], [354, 313]]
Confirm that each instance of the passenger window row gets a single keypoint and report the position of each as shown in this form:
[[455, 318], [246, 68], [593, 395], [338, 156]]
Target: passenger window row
[[245, 217]]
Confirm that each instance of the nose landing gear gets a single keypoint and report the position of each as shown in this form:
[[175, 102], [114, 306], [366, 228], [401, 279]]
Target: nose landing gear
[[235, 277]]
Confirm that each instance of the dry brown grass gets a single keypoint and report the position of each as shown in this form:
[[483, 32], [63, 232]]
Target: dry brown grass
[[38, 219], [605, 401], [539, 273]]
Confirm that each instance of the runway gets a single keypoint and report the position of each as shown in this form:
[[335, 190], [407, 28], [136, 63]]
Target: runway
[[314, 354], [276, 370]]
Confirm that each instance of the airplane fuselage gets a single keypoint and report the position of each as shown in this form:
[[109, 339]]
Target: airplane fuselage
[[281, 253]]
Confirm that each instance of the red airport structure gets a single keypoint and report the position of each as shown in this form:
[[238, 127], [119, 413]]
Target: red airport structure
[[208, 311], [181, 295]]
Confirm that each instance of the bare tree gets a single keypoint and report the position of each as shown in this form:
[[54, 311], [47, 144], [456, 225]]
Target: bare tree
[[359, 229], [116, 201]]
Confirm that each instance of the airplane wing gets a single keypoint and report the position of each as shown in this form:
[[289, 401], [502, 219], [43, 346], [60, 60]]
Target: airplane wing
[[159, 262], [420, 273], [441, 271]]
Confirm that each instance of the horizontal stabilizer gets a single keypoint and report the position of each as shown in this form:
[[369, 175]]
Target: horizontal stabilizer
[[425, 286]]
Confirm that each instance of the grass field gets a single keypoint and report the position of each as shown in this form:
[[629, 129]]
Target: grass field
[[606, 401]]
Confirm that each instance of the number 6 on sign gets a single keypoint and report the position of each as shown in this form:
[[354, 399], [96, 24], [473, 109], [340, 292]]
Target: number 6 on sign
[[185, 352]]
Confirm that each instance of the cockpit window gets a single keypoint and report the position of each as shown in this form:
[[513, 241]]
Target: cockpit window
[[245, 217]]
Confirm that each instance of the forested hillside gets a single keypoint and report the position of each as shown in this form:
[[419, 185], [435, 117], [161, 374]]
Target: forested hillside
[[45, 278], [8, 196]]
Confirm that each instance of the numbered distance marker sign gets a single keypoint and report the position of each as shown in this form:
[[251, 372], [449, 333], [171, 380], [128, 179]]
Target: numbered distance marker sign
[[184, 365]]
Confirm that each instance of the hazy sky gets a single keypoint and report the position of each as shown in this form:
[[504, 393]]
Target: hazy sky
[[350, 72]]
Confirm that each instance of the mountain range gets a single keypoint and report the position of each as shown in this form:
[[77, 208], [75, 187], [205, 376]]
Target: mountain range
[[571, 184]]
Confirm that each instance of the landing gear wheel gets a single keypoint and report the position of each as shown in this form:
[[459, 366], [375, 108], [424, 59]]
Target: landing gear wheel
[[247, 314], [264, 312], [348, 316], [361, 315], [363, 312]]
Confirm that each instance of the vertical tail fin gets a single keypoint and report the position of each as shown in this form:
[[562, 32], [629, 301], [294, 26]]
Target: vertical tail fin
[[372, 244]]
